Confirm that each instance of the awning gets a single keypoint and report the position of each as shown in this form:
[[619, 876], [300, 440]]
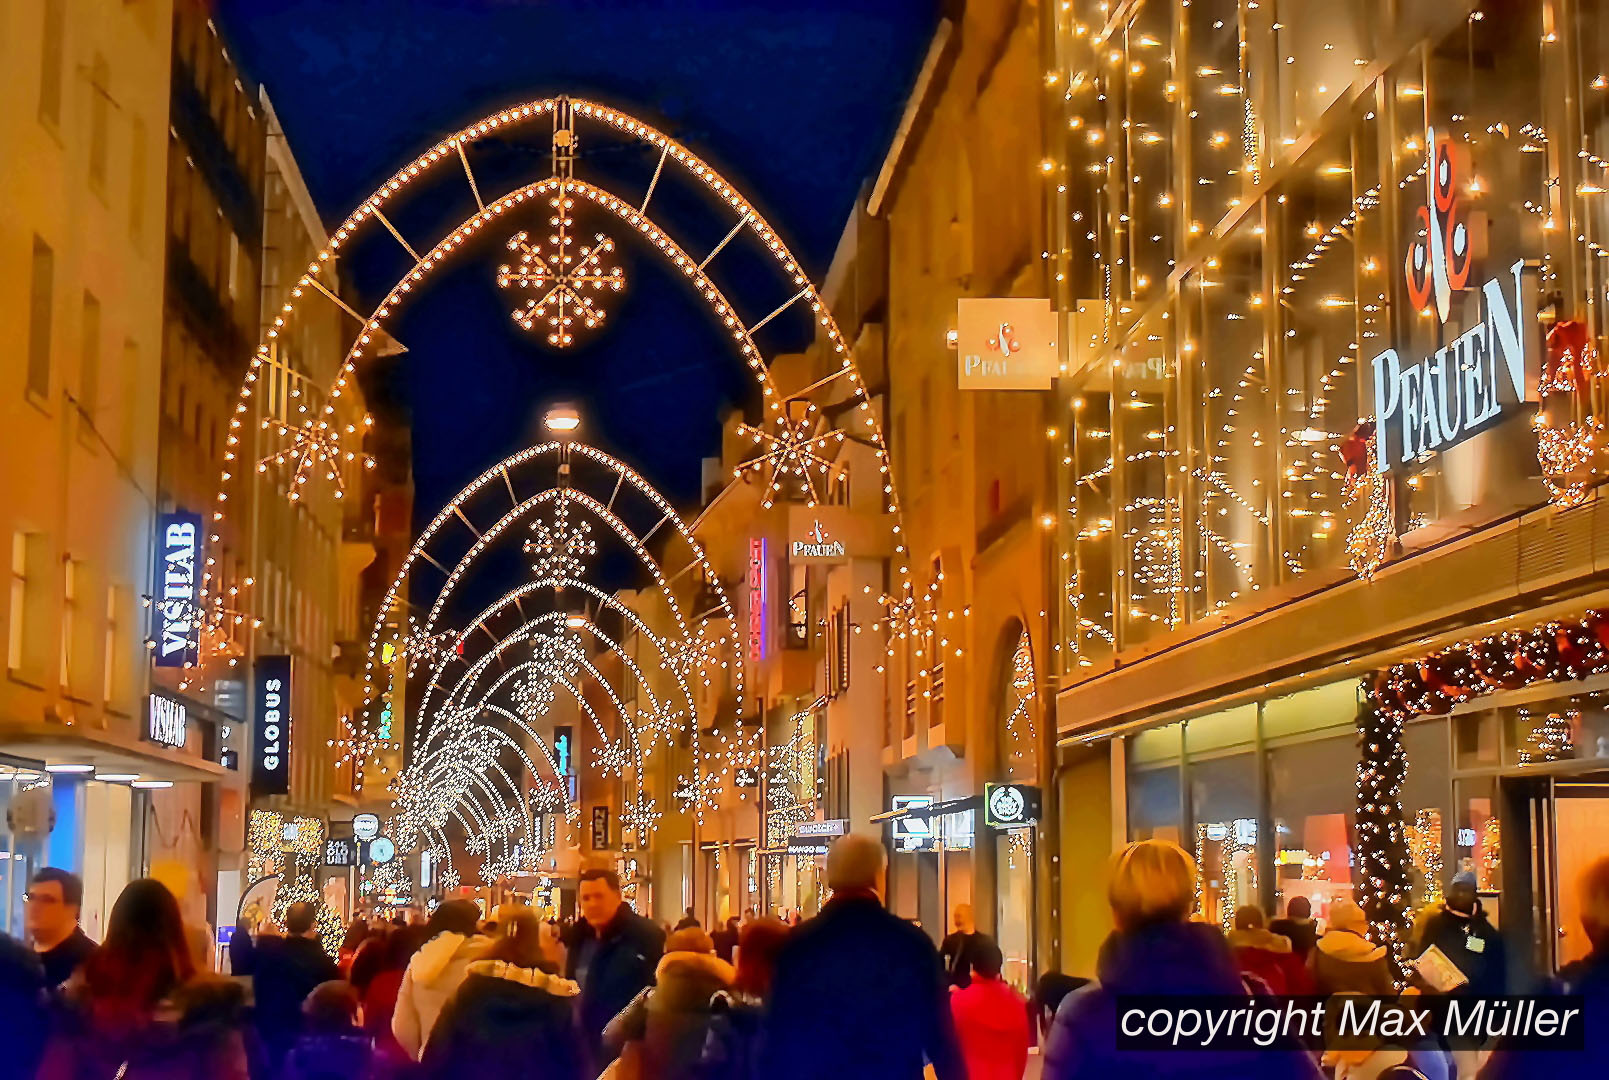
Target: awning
[[110, 752]]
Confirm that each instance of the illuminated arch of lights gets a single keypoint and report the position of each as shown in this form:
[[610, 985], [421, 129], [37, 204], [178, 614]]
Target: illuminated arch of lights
[[790, 455]]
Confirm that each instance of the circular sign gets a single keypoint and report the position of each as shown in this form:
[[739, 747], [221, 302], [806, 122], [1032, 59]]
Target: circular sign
[[382, 850], [366, 826], [1006, 804]]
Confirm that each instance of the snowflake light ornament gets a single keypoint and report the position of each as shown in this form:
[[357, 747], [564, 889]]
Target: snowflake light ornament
[[563, 277], [561, 547], [792, 457]]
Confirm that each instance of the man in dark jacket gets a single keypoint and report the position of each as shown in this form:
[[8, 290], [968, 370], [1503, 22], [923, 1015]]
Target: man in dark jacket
[[859, 992], [55, 898], [612, 952], [1298, 925], [1467, 938], [284, 972]]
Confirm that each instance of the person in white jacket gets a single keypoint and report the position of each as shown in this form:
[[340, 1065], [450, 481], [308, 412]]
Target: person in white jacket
[[435, 972]]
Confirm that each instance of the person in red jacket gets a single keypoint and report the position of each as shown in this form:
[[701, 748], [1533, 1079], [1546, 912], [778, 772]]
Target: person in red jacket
[[1266, 956], [991, 1019]]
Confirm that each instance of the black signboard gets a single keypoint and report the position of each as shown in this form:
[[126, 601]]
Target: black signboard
[[600, 828], [271, 726]]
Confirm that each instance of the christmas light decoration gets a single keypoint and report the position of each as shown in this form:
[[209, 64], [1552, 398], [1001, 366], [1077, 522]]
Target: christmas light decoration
[[561, 279]]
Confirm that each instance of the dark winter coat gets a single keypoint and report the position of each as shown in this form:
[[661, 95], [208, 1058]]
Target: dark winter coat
[[331, 1055], [733, 1049], [1473, 944], [507, 1021], [1302, 933], [1588, 977], [1347, 963], [956, 951], [673, 1023], [629, 947], [24, 1020], [859, 992], [1169, 958], [192, 1034], [284, 971]]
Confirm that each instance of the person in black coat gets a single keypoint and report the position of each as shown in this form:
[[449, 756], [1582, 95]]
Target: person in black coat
[[284, 971], [24, 1015], [511, 1016], [1467, 938], [858, 991], [611, 952]]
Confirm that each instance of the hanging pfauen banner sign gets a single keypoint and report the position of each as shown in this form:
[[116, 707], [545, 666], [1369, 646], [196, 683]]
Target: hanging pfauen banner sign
[[1005, 343], [271, 726], [175, 628], [1435, 402], [1010, 806]]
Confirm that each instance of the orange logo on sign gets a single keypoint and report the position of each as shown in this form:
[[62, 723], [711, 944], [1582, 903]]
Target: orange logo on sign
[[1438, 262], [1005, 341]]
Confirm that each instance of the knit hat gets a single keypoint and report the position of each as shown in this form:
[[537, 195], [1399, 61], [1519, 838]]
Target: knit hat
[[1346, 915]]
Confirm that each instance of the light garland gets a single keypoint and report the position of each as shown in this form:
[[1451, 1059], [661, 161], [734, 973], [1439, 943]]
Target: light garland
[[559, 278]]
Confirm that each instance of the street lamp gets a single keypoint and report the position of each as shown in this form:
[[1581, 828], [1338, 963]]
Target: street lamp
[[562, 420]]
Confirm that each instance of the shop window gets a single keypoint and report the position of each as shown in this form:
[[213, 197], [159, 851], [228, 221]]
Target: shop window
[[1224, 791], [1427, 810], [1560, 729], [1478, 840], [1312, 804], [1155, 798]]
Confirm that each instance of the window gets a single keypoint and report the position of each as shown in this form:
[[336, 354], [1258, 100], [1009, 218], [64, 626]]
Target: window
[[99, 103], [50, 57], [89, 362], [69, 618], [16, 612], [41, 300]]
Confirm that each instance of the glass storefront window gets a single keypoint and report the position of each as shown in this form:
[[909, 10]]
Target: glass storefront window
[[1144, 449], [1313, 804], [1427, 810], [1155, 806], [1561, 729], [1225, 791], [1090, 579]]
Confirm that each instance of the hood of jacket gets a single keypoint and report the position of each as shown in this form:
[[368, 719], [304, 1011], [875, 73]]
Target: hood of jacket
[[1345, 945], [433, 959], [1169, 958], [692, 965], [536, 978], [1258, 939]]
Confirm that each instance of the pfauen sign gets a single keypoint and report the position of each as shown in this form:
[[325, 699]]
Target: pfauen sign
[[817, 543], [1005, 343], [177, 631], [271, 727], [1440, 400]]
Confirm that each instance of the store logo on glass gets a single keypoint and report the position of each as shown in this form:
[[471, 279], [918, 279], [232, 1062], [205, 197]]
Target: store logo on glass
[[1430, 403]]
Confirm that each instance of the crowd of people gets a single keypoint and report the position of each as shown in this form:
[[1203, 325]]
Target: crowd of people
[[853, 992]]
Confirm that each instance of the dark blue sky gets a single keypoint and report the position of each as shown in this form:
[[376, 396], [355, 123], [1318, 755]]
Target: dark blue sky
[[794, 102]]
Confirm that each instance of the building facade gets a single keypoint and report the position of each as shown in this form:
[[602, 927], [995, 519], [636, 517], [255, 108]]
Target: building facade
[[1330, 416]]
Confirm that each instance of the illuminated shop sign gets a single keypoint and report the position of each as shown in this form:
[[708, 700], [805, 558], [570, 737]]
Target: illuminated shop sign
[[340, 853], [808, 845], [168, 721], [176, 629], [1010, 806], [564, 758], [1005, 343], [600, 828], [913, 833], [757, 600], [830, 827], [271, 727], [365, 826], [1440, 400], [380, 850], [816, 543]]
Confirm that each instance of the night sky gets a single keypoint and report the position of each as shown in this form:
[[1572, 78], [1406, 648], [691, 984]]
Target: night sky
[[794, 102]]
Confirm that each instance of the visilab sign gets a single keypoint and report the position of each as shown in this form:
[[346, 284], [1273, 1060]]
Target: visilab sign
[[1440, 400]]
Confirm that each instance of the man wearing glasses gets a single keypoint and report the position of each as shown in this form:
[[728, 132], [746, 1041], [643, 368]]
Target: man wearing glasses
[[54, 898]]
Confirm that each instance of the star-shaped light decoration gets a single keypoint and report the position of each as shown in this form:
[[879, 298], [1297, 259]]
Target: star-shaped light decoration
[[314, 444], [560, 547], [419, 647], [563, 279], [791, 458]]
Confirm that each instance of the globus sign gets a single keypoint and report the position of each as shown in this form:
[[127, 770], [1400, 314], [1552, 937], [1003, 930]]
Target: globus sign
[[271, 726], [1440, 400]]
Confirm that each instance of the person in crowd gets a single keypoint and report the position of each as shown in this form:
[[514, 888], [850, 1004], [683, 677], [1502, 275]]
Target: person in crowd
[[24, 995], [858, 992], [1466, 937], [611, 953], [991, 1019], [285, 971], [435, 972], [54, 900], [668, 1027], [958, 946], [369, 958], [1264, 956], [734, 1047], [356, 933], [1587, 977], [512, 1014], [1345, 960], [1049, 991], [725, 938], [1156, 949], [383, 985], [138, 1009], [331, 1046], [242, 950], [1298, 926], [688, 919]]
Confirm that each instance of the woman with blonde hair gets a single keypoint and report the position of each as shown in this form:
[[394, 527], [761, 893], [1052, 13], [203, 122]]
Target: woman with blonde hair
[[1156, 949]]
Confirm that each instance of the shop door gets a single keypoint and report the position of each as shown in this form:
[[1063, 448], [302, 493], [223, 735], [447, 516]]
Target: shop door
[[1580, 823]]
